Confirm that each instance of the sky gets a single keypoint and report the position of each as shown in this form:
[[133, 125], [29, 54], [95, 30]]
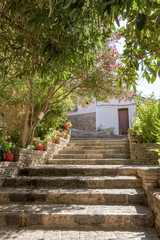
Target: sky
[[142, 84]]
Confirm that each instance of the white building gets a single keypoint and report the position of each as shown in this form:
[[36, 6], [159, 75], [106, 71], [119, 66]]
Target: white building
[[113, 114]]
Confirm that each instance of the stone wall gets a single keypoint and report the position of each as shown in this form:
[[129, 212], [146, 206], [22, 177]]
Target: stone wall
[[150, 177], [8, 169], [25, 157], [85, 122], [13, 118], [142, 154]]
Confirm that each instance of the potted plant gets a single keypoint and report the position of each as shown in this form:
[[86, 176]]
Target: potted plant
[[123, 132], [100, 129], [112, 130], [120, 131], [67, 125], [39, 143], [62, 134], [8, 147], [52, 136]]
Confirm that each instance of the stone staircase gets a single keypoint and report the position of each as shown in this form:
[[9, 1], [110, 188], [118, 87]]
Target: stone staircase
[[90, 185]]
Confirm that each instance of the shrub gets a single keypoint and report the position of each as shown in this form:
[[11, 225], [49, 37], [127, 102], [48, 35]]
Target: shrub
[[147, 118]]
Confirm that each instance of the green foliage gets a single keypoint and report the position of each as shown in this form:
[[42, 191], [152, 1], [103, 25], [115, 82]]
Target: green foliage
[[39, 141], [7, 145], [47, 45], [158, 151], [16, 137], [142, 41], [50, 36], [52, 134], [147, 121], [56, 118]]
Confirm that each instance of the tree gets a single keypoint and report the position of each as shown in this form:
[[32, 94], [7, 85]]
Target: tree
[[98, 80], [142, 49], [55, 42], [44, 34]]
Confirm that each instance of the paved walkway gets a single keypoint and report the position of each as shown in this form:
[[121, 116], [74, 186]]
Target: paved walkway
[[48, 234]]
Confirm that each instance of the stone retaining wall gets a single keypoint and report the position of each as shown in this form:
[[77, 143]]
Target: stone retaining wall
[[142, 154], [151, 187], [8, 169], [25, 157], [85, 122]]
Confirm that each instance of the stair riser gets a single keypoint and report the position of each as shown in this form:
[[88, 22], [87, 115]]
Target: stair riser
[[109, 199], [73, 183], [90, 156], [109, 151], [89, 162], [63, 220], [98, 144], [95, 147], [78, 172]]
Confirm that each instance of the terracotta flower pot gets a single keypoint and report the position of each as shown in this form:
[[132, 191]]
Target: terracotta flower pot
[[40, 147], [9, 157], [34, 143]]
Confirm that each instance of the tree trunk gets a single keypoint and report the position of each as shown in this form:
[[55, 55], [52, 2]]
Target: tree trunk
[[24, 137]]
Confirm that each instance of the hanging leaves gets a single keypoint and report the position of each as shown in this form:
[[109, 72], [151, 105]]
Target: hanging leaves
[[141, 21]]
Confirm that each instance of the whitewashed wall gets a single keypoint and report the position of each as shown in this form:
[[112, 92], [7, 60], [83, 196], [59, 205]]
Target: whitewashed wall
[[107, 113], [89, 109]]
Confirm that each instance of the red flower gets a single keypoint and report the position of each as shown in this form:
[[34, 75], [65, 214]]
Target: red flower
[[66, 126]]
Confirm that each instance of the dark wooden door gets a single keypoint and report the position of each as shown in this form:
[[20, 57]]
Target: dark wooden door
[[123, 119]]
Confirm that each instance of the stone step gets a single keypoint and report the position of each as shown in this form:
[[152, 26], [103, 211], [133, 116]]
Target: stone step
[[90, 161], [80, 170], [91, 156], [97, 143], [99, 151], [96, 147], [73, 196], [101, 182], [76, 216], [46, 233], [124, 139]]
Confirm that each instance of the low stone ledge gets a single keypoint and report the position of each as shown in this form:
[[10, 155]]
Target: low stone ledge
[[8, 169], [154, 202], [150, 177], [141, 154], [24, 157]]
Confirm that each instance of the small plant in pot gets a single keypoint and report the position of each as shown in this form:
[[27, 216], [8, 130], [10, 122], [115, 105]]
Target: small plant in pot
[[111, 130], [39, 143], [67, 125], [62, 134], [120, 131], [8, 148], [52, 136], [100, 129]]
